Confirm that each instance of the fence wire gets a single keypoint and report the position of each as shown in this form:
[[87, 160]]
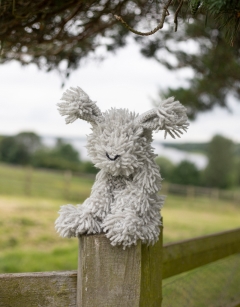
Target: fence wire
[[212, 285]]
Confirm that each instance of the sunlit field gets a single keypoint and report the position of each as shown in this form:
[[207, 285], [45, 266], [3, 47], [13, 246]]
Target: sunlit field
[[30, 200], [28, 241], [186, 218]]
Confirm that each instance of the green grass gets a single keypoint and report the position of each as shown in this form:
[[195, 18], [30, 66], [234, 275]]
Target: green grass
[[42, 183], [186, 218], [215, 284], [28, 241]]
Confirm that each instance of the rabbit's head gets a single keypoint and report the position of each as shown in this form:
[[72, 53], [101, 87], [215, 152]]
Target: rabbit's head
[[116, 144], [120, 140]]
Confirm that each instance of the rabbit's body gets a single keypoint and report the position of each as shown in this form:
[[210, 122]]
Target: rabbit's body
[[124, 202]]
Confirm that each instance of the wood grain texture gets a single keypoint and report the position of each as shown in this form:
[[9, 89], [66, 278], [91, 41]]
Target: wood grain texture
[[151, 275], [48, 289], [189, 254], [133, 275], [112, 277], [108, 276]]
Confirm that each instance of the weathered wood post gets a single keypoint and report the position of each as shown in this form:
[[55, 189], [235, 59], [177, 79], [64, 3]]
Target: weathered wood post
[[112, 277]]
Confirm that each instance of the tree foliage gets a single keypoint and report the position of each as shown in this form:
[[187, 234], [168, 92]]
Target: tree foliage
[[26, 148], [19, 149], [166, 167], [212, 62], [61, 156], [223, 170], [186, 173], [226, 14], [29, 140], [48, 32], [61, 34], [220, 169], [66, 151], [12, 151]]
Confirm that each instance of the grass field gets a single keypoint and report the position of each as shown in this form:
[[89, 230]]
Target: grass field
[[28, 241], [22, 181]]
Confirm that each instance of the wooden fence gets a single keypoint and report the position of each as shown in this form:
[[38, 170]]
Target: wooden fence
[[196, 191], [110, 276], [60, 184]]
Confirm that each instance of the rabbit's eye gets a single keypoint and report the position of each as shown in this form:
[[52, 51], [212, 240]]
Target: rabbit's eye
[[112, 159]]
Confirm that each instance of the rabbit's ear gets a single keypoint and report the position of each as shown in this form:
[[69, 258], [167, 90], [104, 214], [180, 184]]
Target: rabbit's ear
[[170, 116], [77, 104]]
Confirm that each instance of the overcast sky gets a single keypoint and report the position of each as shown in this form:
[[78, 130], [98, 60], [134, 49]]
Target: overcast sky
[[124, 80]]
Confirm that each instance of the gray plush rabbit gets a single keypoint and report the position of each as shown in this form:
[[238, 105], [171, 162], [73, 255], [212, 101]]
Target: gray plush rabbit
[[124, 202]]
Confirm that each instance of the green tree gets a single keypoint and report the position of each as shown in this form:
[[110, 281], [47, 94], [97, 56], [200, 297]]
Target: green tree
[[166, 167], [211, 83], [62, 156], [88, 167], [65, 30], [12, 151], [66, 151], [220, 168], [19, 149], [60, 34], [30, 140], [186, 173]]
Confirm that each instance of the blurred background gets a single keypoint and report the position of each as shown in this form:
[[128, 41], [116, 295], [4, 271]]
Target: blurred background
[[43, 162]]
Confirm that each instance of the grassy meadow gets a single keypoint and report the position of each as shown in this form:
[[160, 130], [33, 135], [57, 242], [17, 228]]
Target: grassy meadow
[[20, 181], [28, 241]]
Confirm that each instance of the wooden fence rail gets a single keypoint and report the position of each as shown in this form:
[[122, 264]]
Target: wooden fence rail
[[30, 181], [190, 254], [196, 191], [110, 276]]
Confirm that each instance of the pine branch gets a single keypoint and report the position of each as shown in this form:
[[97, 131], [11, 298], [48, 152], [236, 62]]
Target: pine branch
[[165, 13]]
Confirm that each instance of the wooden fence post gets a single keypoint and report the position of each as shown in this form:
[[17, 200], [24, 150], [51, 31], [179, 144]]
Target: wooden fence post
[[113, 277]]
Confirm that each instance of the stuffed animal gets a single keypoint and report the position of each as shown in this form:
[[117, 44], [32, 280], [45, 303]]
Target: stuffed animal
[[124, 202]]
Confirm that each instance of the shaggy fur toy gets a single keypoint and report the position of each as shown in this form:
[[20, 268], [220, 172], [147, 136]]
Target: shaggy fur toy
[[124, 202]]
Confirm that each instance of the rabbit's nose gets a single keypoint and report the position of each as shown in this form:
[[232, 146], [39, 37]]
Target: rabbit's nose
[[112, 159]]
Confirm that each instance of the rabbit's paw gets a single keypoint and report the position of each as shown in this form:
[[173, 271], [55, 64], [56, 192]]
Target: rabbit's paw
[[76, 220], [123, 229]]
